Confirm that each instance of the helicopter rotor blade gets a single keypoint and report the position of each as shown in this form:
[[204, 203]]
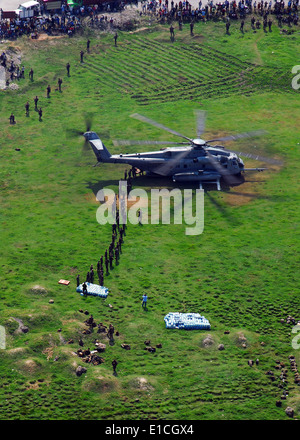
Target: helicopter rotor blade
[[165, 168], [256, 157], [200, 121], [73, 132], [124, 143], [88, 120], [237, 136], [158, 125]]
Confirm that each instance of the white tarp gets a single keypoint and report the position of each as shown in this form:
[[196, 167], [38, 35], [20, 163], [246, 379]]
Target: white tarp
[[188, 321]]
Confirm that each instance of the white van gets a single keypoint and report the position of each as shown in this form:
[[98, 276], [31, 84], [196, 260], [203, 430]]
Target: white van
[[28, 9]]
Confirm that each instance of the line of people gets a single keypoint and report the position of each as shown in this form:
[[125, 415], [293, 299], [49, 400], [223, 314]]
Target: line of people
[[111, 255]]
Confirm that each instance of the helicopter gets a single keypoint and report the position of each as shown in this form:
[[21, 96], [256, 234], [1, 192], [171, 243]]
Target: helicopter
[[192, 160]]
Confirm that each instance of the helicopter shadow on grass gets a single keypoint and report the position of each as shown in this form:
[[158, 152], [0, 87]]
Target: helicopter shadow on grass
[[150, 181], [221, 207], [95, 187], [147, 182], [143, 182]]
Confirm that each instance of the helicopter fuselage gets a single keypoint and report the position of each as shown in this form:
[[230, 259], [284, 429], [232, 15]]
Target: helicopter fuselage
[[174, 160]]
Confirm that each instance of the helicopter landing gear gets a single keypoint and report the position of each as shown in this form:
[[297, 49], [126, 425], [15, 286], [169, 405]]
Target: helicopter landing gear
[[217, 182]]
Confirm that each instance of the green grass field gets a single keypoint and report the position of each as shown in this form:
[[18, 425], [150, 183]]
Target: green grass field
[[241, 273]]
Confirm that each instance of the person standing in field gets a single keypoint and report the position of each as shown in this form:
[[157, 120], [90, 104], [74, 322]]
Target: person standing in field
[[27, 108], [114, 364], [12, 119], [172, 34], [36, 100], [84, 289], [144, 301]]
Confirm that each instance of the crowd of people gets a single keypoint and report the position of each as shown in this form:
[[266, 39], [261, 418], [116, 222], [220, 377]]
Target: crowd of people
[[68, 20], [33, 26], [65, 20], [183, 10]]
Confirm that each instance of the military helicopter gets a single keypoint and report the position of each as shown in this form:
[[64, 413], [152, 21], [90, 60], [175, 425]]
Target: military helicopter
[[193, 160]]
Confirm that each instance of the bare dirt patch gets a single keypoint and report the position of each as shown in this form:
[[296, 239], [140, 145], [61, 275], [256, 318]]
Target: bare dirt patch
[[143, 384], [37, 289], [43, 37], [208, 341], [30, 366]]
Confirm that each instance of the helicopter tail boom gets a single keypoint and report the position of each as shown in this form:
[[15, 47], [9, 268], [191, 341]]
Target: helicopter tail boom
[[101, 152]]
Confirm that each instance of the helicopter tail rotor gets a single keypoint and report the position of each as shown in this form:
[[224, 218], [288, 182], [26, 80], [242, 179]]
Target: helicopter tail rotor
[[73, 132]]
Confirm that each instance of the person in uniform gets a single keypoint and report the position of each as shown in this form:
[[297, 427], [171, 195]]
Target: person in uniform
[[117, 254], [27, 108], [12, 119], [192, 28], [40, 113], [172, 33], [81, 56], [36, 100], [88, 45], [114, 364], [265, 24], [31, 74], [92, 276], [68, 68], [59, 84], [48, 91], [84, 289], [111, 257], [270, 25], [110, 333], [106, 265]]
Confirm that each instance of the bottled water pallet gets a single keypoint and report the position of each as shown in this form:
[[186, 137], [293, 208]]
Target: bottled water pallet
[[93, 290], [187, 321]]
